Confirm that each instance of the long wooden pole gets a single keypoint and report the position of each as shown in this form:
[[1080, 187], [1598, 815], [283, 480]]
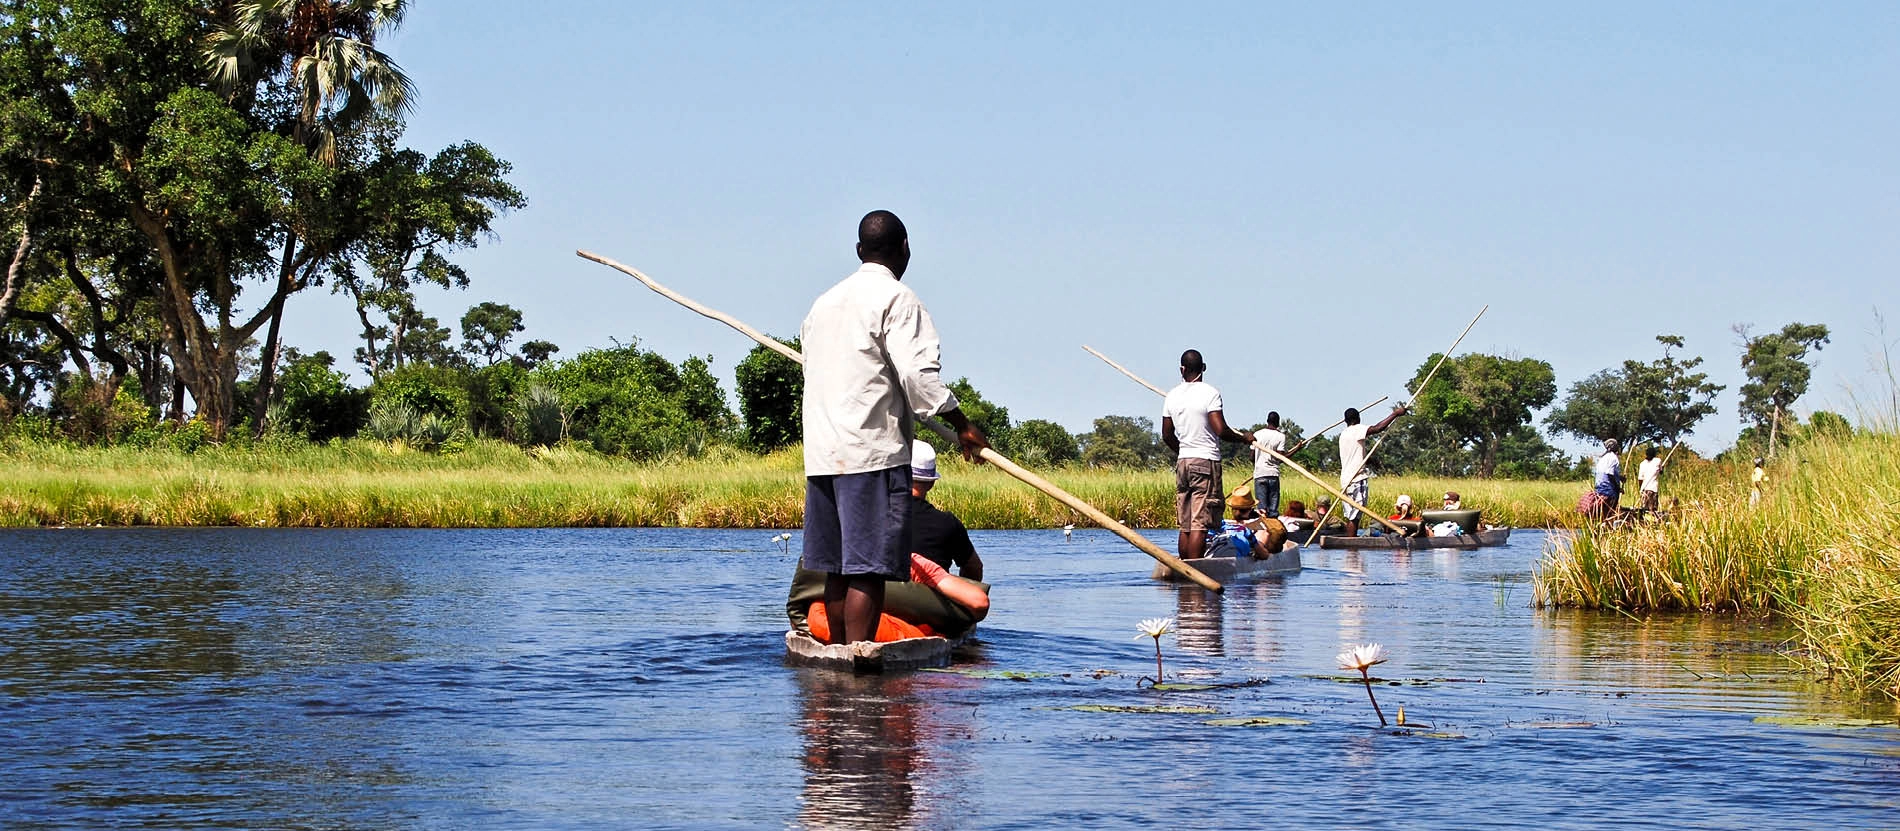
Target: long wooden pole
[[1328, 428], [1297, 468], [1446, 355], [1174, 564]]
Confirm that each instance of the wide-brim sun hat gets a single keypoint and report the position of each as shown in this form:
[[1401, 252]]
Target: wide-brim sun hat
[[1241, 499], [923, 462]]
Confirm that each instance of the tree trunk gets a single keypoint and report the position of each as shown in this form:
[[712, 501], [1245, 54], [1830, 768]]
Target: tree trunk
[[267, 369], [16, 271], [1774, 427]]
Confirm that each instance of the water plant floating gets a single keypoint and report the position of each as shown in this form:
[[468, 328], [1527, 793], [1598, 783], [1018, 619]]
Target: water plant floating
[[1257, 721], [1363, 658], [1154, 627], [1147, 709]]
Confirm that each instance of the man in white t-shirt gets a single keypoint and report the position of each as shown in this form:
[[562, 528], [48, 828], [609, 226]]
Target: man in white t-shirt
[[1192, 425], [1649, 479], [1266, 467], [1355, 478]]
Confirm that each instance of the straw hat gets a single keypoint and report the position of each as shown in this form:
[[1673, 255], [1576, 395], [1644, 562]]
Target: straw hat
[[1242, 498]]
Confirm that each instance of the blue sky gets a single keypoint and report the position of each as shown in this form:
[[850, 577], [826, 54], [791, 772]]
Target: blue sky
[[1315, 197]]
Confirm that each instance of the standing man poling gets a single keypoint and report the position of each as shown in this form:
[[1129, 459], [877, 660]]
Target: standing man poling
[[1649, 480], [1355, 478], [871, 364], [1192, 425], [1266, 468]]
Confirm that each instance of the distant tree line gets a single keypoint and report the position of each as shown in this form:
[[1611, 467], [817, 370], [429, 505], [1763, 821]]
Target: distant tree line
[[173, 171]]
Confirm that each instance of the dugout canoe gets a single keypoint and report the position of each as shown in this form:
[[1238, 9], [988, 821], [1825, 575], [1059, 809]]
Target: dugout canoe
[[1228, 569], [913, 602], [869, 657], [1483, 539]]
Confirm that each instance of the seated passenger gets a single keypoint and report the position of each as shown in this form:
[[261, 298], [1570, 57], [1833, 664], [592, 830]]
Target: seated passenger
[[1403, 509]]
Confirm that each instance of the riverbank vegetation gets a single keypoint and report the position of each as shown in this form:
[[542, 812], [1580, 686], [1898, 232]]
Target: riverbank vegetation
[[1822, 549], [488, 483]]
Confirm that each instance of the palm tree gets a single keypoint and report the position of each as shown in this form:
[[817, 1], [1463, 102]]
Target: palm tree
[[326, 52]]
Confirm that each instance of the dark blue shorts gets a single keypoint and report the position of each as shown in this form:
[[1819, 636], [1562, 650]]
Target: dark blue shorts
[[859, 523]]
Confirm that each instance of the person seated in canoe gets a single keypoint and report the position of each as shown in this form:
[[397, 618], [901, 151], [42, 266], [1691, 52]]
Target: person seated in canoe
[[1296, 517], [934, 602], [1452, 502], [936, 533], [1404, 509], [1259, 537]]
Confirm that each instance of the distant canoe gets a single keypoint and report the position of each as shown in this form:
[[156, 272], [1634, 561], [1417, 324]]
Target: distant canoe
[[870, 657], [1482, 539], [1226, 570]]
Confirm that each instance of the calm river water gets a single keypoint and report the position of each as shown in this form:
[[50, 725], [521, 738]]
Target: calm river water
[[231, 678]]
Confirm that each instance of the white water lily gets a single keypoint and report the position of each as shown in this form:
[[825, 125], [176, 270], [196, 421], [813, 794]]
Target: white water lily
[[1361, 658], [782, 537], [1155, 627], [1068, 531]]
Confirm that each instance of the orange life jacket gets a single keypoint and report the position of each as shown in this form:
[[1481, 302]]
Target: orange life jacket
[[888, 628]]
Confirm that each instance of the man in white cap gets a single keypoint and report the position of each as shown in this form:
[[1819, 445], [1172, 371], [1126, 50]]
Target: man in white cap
[[935, 533]]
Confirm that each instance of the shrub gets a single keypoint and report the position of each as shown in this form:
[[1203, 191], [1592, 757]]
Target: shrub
[[540, 417], [424, 389], [316, 401]]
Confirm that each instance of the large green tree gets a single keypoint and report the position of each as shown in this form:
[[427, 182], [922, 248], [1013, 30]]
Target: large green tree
[[1041, 442], [1123, 441], [1483, 399], [1639, 402], [771, 390], [199, 186], [1777, 369]]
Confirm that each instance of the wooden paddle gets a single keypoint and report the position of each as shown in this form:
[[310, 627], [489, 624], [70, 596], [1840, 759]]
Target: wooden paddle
[[1174, 564], [1264, 449], [1314, 537]]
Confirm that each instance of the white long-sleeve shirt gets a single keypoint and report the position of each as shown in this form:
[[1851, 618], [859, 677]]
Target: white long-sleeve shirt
[[871, 362]]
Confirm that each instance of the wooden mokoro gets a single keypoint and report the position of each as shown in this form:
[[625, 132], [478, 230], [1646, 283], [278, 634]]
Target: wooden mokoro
[[868, 657], [1482, 539], [1228, 569]]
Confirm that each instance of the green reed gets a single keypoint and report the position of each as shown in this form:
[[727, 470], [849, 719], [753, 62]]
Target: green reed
[[1822, 549], [364, 483]]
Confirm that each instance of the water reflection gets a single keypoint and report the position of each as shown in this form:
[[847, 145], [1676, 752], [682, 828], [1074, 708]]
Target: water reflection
[[861, 749], [1197, 617], [109, 628]]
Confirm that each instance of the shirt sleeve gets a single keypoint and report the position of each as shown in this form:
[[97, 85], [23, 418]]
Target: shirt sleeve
[[910, 341]]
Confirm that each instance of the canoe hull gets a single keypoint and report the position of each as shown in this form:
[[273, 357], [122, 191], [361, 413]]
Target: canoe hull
[[1226, 570], [1482, 539], [867, 657]]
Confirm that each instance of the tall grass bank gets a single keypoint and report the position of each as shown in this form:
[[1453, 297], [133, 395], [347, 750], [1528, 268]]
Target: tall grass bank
[[487, 484], [1822, 549]]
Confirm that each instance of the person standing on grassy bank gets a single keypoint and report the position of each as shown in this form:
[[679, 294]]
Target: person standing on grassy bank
[[1755, 481], [1355, 478], [871, 363], [1649, 480], [1266, 468], [1192, 425]]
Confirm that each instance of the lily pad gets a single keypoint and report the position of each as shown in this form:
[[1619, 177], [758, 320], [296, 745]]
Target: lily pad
[[1437, 734], [993, 674], [1257, 721], [1175, 709], [1826, 722], [1176, 686]]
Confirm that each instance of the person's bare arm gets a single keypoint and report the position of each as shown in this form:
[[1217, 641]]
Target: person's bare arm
[[1218, 421], [1380, 427], [962, 592], [1167, 434]]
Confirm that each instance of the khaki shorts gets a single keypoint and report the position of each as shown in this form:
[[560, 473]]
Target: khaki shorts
[[1197, 494]]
